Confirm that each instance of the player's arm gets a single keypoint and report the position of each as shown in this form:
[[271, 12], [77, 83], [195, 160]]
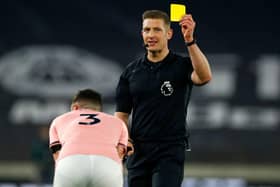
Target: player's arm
[[55, 144], [124, 117], [55, 155], [55, 148], [121, 148], [202, 72]]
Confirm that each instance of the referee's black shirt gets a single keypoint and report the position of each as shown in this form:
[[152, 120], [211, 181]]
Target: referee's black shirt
[[157, 94]]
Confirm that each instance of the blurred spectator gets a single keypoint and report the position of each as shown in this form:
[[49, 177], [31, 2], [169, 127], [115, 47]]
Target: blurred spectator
[[41, 155]]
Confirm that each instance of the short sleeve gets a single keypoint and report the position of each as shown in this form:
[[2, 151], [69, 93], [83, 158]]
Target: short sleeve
[[189, 69], [124, 135], [53, 135], [123, 95]]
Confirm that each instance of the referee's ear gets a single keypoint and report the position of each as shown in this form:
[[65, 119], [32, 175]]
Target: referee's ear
[[169, 33]]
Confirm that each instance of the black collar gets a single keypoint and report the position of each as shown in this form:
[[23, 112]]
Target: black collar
[[158, 64]]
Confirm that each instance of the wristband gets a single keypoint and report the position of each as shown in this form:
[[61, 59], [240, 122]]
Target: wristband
[[190, 43]]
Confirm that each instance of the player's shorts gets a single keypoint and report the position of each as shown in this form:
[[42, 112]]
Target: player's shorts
[[88, 171]]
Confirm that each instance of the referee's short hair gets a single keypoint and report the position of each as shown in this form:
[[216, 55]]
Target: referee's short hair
[[157, 14]]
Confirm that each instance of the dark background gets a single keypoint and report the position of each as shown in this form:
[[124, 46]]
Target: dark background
[[238, 36]]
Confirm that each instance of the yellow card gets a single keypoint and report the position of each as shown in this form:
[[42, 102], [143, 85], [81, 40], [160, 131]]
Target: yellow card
[[177, 11]]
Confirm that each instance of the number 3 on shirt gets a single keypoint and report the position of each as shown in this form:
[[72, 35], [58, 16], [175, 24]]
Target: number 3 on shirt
[[92, 117]]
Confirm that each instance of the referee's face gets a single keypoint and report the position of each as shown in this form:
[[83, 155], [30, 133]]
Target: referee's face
[[156, 34]]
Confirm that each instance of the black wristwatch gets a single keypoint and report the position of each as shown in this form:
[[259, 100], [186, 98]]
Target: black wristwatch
[[190, 43]]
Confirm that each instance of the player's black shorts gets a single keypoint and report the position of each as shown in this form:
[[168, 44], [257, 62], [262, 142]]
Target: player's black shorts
[[158, 164]]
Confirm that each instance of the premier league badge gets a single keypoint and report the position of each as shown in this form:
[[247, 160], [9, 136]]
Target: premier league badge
[[166, 88]]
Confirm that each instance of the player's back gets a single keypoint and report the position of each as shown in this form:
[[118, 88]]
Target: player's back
[[90, 132]]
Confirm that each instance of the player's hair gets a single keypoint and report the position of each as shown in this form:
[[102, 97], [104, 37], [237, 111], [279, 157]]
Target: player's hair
[[89, 98], [156, 14]]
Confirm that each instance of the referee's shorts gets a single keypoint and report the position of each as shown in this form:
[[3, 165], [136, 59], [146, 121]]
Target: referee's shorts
[[159, 164], [88, 171]]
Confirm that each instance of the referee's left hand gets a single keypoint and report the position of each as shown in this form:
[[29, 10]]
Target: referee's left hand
[[187, 27], [130, 148]]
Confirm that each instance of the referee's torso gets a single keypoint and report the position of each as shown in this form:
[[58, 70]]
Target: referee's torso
[[158, 95]]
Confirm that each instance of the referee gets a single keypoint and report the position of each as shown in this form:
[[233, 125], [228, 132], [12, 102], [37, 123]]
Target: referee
[[156, 90]]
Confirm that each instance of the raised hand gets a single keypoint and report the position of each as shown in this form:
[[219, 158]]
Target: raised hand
[[187, 27]]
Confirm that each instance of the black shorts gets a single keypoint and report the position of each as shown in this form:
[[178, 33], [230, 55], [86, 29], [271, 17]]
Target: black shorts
[[158, 164]]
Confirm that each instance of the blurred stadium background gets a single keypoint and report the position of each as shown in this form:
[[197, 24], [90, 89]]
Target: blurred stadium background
[[50, 49]]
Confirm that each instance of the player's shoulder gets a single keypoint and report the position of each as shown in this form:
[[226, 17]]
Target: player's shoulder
[[111, 118], [59, 118], [63, 116]]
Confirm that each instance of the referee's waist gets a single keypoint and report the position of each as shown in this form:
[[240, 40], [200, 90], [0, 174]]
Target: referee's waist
[[160, 139]]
